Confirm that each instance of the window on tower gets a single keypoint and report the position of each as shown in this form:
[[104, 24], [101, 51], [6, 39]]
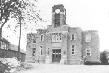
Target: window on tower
[[57, 19]]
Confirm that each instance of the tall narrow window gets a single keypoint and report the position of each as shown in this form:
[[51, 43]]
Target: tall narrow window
[[0, 13], [40, 50], [60, 36], [53, 37], [57, 20], [48, 51], [88, 38], [57, 38], [73, 49], [42, 37], [34, 51], [88, 51], [73, 37]]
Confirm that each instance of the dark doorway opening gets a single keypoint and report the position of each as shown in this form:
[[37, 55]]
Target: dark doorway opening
[[56, 55]]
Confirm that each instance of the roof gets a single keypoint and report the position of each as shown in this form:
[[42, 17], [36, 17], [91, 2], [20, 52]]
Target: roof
[[4, 40], [58, 5]]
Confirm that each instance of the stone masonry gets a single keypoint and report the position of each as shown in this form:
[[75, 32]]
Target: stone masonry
[[60, 43]]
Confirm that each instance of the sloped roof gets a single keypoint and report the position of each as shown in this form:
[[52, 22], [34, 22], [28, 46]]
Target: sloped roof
[[4, 40]]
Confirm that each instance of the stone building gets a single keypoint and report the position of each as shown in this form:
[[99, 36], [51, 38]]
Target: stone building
[[60, 43]]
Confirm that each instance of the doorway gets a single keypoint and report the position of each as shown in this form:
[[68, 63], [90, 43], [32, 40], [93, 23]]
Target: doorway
[[56, 55]]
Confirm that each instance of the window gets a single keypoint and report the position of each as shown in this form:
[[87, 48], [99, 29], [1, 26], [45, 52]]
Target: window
[[33, 54], [2, 45], [48, 51], [42, 37], [40, 50], [88, 38], [73, 37], [88, 51], [34, 41], [73, 49], [34, 51], [0, 13], [34, 48], [57, 20], [60, 36], [53, 37], [56, 37]]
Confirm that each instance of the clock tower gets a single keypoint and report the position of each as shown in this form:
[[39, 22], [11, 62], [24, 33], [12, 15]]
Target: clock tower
[[58, 15]]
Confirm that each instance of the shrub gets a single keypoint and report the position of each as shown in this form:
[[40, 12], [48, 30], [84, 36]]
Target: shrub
[[92, 63], [103, 58]]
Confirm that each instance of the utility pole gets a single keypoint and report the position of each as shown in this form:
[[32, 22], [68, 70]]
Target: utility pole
[[20, 18], [19, 39], [0, 21]]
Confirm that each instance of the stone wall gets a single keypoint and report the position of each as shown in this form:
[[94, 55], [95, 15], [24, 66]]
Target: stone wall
[[48, 47], [64, 31], [29, 47], [76, 57], [40, 58], [93, 44], [65, 44]]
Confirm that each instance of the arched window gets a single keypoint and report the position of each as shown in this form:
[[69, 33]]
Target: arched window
[[41, 50], [34, 51]]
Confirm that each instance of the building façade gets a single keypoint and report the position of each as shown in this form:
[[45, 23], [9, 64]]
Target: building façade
[[60, 43]]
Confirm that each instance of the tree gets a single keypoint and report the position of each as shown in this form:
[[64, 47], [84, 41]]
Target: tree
[[30, 15], [8, 9], [103, 58], [21, 10]]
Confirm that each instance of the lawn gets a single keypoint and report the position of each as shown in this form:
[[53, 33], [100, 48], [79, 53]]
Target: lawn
[[57, 68]]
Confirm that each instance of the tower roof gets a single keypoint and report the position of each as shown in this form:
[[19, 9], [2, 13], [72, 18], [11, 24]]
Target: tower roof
[[59, 6]]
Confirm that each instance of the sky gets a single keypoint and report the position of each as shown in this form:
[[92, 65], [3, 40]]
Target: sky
[[87, 14]]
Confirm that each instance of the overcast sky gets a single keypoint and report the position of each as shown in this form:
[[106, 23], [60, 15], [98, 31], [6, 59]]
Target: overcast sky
[[87, 14]]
